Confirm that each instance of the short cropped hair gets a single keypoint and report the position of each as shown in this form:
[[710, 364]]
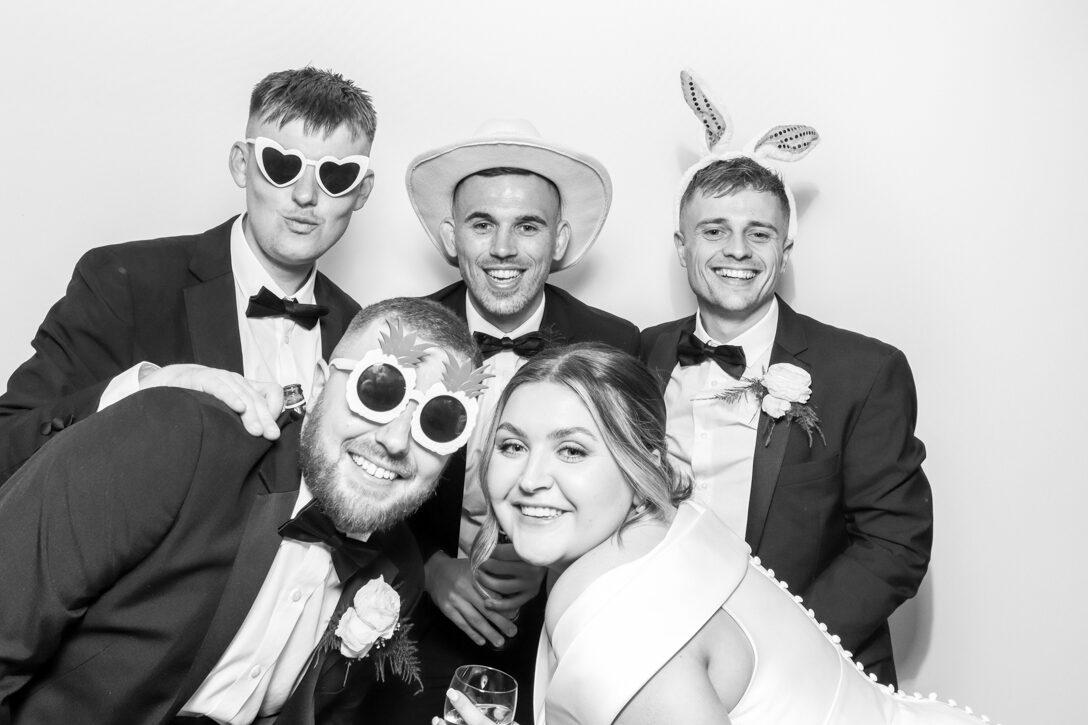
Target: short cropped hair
[[728, 176], [507, 171], [625, 401], [322, 99], [431, 321]]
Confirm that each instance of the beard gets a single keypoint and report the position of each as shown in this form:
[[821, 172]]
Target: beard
[[351, 508]]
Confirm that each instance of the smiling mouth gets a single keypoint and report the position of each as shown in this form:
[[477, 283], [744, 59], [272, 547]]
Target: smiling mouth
[[741, 274], [546, 513], [504, 276], [373, 469]]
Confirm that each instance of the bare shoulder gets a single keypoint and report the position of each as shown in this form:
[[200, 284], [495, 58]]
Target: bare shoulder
[[635, 542], [701, 683]]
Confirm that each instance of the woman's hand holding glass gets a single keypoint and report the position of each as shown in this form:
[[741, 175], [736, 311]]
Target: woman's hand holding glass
[[480, 695]]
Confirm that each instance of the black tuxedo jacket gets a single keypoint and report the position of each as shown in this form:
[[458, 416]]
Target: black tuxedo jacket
[[566, 320], [164, 301], [133, 547], [848, 525]]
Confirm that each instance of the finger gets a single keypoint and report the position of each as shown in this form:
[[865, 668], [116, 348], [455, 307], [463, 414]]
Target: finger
[[462, 623], [469, 713], [511, 603], [511, 586], [267, 402], [488, 624], [502, 621], [505, 552]]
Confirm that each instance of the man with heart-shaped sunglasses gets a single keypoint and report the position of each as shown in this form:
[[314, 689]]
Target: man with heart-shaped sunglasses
[[238, 311]]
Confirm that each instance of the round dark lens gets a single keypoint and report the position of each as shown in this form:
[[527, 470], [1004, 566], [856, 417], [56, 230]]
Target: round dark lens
[[338, 178], [381, 387], [443, 418], [281, 168]]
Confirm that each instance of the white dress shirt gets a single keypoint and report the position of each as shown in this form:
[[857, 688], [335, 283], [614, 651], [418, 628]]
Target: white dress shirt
[[711, 440], [274, 349], [502, 365], [260, 667]]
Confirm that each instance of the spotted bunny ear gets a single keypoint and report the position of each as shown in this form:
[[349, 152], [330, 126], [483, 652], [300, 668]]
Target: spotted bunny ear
[[718, 125], [786, 143]]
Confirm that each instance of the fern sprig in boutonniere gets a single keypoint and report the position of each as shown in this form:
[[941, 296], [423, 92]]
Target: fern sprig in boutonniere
[[782, 392]]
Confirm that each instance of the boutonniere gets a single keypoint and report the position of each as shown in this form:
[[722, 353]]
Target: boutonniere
[[782, 392], [372, 627]]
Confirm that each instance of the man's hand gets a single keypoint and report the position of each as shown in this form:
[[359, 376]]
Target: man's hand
[[507, 576], [259, 403], [449, 584]]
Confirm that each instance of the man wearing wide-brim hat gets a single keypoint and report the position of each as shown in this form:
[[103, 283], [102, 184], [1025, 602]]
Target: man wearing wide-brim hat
[[507, 208]]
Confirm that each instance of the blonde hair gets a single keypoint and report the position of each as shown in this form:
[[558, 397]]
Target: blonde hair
[[623, 397]]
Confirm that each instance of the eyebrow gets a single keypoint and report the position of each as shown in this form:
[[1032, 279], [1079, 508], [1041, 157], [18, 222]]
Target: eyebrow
[[483, 215], [554, 435], [533, 218], [725, 222]]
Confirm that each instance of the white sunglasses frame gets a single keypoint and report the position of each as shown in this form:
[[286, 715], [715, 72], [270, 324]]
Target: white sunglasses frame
[[261, 142], [355, 368]]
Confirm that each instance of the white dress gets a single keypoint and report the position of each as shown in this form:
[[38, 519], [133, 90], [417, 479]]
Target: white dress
[[629, 622]]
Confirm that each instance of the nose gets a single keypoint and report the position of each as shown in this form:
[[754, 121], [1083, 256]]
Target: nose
[[504, 244], [535, 476], [395, 435], [304, 191], [736, 246]]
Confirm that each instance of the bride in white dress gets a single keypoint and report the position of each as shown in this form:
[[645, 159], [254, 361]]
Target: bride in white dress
[[657, 614]]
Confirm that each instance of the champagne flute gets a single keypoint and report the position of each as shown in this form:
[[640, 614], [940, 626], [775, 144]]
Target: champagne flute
[[492, 691]]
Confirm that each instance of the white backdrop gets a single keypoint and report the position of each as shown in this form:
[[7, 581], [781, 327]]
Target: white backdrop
[[938, 214]]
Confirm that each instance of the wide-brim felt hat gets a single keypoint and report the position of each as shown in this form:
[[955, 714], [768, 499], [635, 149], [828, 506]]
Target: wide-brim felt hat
[[585, 188]]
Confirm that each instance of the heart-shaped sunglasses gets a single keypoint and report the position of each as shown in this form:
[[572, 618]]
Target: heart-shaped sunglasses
[[283, 167]]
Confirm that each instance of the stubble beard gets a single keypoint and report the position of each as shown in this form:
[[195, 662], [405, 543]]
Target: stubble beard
[[350, 508]]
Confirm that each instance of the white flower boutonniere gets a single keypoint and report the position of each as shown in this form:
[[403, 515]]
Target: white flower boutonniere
[[782, 392], [372, 625]]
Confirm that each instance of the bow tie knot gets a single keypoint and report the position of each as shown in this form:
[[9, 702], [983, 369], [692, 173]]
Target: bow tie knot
[[525, 345], [312, 525], [730, 358], [266, 304]]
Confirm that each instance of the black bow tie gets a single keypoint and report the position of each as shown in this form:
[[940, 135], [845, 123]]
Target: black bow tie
[[730, 358], [312, 526], [526, 345], [266, 304]]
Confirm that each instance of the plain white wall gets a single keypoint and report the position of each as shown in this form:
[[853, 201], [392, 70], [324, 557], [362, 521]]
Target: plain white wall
[[938, 214]]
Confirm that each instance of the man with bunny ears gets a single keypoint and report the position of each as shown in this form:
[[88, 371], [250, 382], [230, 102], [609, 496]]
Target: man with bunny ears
[[799, 435]]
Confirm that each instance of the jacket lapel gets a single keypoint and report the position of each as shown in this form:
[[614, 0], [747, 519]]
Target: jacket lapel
[[210, 304], [789, 345], [277, 492], [661, 357]]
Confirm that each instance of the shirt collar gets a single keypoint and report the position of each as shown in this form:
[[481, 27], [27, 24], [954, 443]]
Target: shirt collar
[[250, 275], [477, 323], [756, 338]]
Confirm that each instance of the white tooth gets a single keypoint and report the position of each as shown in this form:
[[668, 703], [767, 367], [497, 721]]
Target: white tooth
[[735, 273], [373, 469], [540, 512], [504, 274]]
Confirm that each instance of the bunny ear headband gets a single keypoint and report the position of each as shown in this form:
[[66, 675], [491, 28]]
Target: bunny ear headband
[[781, 143]]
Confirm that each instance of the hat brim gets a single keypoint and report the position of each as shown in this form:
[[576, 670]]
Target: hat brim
[[584, 185]]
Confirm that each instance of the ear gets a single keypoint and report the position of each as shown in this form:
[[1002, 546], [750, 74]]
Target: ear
[[237, 163], [365, 187], [449, 243], [786, 143], [321, 376], [681, 246], [562, 240], [787, 247]]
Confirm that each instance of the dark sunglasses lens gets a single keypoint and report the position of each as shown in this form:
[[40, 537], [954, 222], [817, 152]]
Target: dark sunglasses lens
[[381, 387], [338, 178], [281, 168], [443, 418]]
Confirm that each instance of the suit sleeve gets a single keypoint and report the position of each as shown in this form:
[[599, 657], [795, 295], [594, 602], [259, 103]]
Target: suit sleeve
[[83, 512], [85, 340], [889, 512]]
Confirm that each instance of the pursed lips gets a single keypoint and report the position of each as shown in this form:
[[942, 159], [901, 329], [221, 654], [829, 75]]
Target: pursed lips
[[301, 222]]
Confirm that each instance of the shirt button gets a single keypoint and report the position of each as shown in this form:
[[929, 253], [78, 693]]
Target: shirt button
[[296, 595], [255, 672]]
